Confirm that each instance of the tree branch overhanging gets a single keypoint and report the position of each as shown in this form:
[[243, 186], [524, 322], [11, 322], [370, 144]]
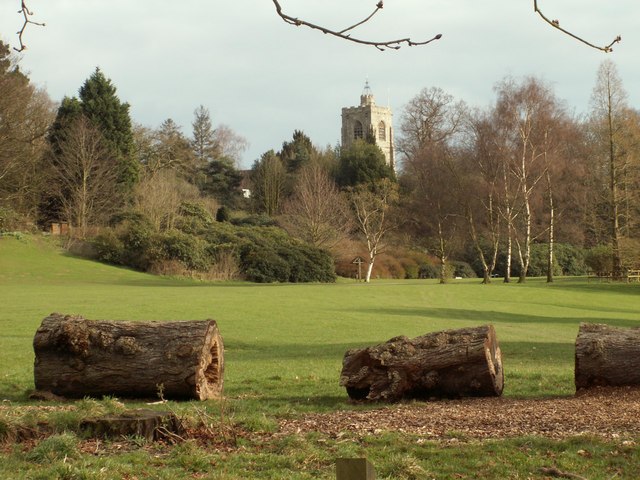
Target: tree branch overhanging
[[396, 44], [556, 24], [380, 45], [26, 14]]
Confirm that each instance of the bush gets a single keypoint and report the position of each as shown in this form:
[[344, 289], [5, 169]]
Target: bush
[[462, 269], [263, 265], [109, 248], [600, 259], [193, 218], [222, 215], [189, 250]]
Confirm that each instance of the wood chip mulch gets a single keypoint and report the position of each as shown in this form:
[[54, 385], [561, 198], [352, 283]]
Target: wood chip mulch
[[608, 413]]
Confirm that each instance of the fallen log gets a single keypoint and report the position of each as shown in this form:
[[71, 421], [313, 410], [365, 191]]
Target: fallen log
[[75, 357], [607, 356], [451, 363]]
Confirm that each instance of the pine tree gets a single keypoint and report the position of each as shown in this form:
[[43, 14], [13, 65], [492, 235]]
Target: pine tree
[[110, 116], [204, 144]]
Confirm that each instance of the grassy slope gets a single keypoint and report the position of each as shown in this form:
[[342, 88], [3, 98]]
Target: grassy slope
[[284, 343]]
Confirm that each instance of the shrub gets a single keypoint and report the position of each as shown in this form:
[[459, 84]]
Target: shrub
[[193, 218], [222, 215], [599, 259], [462, 269], [263, 265], [190, 250], [109, 248]]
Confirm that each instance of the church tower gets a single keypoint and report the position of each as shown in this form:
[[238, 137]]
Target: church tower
[[357, 122]]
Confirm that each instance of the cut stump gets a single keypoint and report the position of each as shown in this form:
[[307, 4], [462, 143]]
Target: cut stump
[[148, 424], [607, 356], [451, 363], [75, 357]]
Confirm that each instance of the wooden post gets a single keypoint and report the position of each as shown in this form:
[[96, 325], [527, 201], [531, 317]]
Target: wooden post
[[354, 469]]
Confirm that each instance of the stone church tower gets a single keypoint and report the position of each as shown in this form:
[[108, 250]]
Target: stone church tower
[[357, 122]]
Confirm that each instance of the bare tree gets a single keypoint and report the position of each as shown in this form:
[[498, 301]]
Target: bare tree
[[612, 126], [372, 206], [316, 212], [430, 126], [159, 197], [85, 176]]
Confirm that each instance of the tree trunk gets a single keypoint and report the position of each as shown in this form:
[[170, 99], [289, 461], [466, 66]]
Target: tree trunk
[[607, 356], [76, 357], [452, 363]]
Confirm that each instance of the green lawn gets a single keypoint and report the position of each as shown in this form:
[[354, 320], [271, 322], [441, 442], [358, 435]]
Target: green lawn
[[284, 345]]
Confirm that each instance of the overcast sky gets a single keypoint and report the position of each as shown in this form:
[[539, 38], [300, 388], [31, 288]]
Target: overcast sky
[[265, 78]]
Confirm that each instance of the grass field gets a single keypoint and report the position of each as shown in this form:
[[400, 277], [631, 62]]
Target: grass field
[[283, 350]]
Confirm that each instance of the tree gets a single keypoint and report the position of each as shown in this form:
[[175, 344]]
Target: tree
[[430, 126], [204, 144], [361, 163], [25, 115], [316, 212], [268, 177], [297, 152], [372, 206], [173, 151], [530, 111], [217, 152], [84, 176], [110, 116], [614, 132]]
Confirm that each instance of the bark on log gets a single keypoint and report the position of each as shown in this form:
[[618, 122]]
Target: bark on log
[[607, 356], [452, 363], [76, 357]]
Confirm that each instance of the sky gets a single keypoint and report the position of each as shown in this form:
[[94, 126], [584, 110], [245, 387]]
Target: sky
[[264, 78]]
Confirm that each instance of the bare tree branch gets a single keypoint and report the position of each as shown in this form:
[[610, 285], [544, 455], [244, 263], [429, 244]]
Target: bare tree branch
[[26, 14], [556, 24], [382, 45]]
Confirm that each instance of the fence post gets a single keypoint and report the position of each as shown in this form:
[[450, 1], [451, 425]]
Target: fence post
[[354, 469]]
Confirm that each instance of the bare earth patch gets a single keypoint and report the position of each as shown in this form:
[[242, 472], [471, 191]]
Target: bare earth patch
[[608, 413]]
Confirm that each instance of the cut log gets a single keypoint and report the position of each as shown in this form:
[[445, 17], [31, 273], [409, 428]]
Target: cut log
[[607, 356], [75, 357], [451, 363]]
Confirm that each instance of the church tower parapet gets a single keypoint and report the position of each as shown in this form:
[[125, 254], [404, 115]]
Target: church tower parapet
[[366, 118]]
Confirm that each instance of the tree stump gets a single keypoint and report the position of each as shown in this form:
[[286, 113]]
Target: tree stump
[[76, 357], [452, 363], [148, 424], [607, 356]]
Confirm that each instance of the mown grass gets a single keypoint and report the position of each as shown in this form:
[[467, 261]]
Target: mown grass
[[283, 350]]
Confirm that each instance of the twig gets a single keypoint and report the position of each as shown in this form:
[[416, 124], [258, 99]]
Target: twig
[[554, 472], [382, 45], [26, 13], [556, 24]]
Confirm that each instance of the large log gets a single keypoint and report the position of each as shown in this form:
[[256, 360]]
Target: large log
[[607, 356], [76, 357], [451, 363]]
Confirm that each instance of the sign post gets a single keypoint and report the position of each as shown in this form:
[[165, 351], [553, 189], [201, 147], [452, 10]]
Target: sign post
[[358, 261]]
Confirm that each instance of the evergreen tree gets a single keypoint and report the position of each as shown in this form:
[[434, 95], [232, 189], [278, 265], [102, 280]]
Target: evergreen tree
[[110, 116], [361, 163], [204, 144], [298, 152]]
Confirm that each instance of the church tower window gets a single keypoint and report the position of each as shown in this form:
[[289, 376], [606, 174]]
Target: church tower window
[[382, 131], [358, 131]]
